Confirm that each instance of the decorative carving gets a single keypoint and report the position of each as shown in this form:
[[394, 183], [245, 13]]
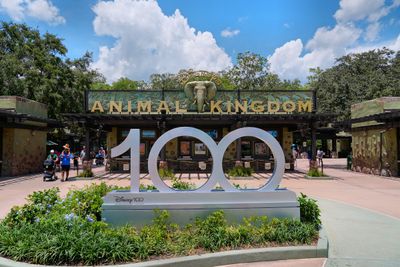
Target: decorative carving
[[200, 93]]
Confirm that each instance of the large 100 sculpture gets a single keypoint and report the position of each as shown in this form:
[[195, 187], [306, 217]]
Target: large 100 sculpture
[[137, 207]]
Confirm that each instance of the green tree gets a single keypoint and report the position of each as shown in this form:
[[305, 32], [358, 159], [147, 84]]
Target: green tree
[[125, 84], [356, 78], [164, 81], [35, 66], [249, 72]]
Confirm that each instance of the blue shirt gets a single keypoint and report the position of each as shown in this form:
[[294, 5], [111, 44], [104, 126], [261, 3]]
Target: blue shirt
[[66, 159]]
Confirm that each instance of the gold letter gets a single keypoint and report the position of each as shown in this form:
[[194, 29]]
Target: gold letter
[[146, 105], [257, 106], [238, 106], [97, 107], [163, 106], [115, 105], [229, 106], [129, 107], [214, 105], [306, 106], [291, 108], [178, 109], [272, 104]]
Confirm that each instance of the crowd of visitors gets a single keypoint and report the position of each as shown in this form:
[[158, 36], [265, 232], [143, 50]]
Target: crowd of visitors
[[63, 159]]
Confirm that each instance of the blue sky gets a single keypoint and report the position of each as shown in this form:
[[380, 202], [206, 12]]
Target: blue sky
[[136, 38]]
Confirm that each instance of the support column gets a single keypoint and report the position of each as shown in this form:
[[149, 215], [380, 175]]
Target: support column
[[163, 150], [313, 142], [239, 149], [87, 162], [163, 163], [334, 149], [325, 145], [238, 161]]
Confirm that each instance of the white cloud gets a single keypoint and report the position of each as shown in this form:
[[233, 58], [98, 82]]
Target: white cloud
[[42, 10], [229, 33], [287, 62], [391, 44], [340, 36], [148, 41], [291, 60], [353, 10], [13, 8], [370, 10], [371, 34], [327, 44], [286, 25]]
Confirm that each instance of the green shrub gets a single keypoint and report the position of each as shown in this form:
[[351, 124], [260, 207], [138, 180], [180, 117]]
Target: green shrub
[[309, 211], [240, 171], [86, 173], [147, 187], [69, 231], [85, 202], [67, 240], [181, 185], [166, 173], [39, 204], [315, 173]]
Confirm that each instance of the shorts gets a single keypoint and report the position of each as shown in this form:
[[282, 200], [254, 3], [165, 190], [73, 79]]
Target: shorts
[[65, 167]]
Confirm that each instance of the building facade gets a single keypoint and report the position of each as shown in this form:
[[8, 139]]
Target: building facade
[[375, 128], [23, 133], [217, 112]]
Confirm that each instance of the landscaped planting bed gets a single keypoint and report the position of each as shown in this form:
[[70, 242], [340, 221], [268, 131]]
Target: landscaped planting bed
[[51, 230]]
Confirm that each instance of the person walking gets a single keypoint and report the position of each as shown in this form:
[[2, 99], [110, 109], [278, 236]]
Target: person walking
[[53, 156], [65, 158]]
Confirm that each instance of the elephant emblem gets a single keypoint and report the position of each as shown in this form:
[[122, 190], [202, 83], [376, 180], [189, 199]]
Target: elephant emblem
[[200, 93]]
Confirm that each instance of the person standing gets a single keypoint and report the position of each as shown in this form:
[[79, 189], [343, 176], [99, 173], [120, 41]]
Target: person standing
[[320, 155], [65, 158], [83, 153]]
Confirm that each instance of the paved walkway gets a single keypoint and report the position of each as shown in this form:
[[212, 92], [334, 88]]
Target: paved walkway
[[360, 212]]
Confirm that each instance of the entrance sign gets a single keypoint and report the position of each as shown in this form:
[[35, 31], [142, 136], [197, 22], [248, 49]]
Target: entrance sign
[[199, 101], [132, 143], [137, 207]]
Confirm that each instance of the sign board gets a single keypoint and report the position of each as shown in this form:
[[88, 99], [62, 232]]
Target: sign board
[[202, 165], [132, 143], [175, 101], [125, 166], [268, 165]]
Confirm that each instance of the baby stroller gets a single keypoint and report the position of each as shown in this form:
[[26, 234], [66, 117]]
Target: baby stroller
[[49, 170]]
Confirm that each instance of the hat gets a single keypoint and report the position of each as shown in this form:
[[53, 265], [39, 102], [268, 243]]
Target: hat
[[66, 146]]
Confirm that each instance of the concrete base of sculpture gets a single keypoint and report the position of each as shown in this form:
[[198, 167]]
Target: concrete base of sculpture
[[124, 207]]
